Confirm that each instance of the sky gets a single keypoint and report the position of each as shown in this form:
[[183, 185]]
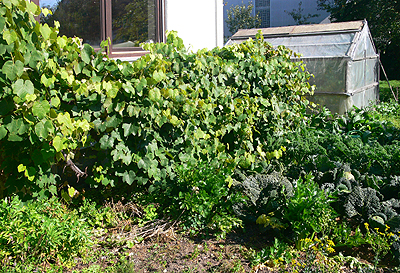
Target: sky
[[47, 2]]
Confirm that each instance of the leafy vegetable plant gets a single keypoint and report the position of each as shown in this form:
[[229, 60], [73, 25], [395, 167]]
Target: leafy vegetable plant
[[202, 198]]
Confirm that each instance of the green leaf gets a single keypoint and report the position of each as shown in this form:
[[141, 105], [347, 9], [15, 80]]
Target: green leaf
[[106, 142], [22, 88], [33, 8], [2, 23], [53, 189], [47, 81], [12, 70], [155, 94], [3, 132], [55, 101], [45, 30], [58, 143], [44, 128], [10, 36], [17, 127], [158, 76], [65, 196], [129, 177], [128, 88], [141, 85], [41, 108], [143, 164], [14, 138], [86, 53]]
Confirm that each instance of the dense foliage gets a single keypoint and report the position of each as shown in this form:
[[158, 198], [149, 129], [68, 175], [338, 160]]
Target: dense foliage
[[41, 231], [64, 102], [211, 139]]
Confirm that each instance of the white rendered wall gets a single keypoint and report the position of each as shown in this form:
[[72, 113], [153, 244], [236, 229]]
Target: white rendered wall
[[199, 23]]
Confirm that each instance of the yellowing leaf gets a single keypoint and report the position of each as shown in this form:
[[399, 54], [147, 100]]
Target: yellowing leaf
[[45, 30], [55, 101], [21, 168], [174, 120], [58, 143], [71, 191], [30, 97]]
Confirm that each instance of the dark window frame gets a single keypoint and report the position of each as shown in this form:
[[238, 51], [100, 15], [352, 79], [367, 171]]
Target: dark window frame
[[106, 29]]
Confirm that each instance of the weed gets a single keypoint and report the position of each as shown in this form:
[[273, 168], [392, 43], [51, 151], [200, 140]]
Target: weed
[[40, 231], [379, 241], [278, 254]]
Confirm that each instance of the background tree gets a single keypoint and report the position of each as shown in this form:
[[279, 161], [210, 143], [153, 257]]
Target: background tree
[[299, 17], [383, 18], [240, 17], [133, 20]]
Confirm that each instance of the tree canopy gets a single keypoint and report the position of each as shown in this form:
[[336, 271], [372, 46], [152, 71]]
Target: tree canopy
[[383, 16]]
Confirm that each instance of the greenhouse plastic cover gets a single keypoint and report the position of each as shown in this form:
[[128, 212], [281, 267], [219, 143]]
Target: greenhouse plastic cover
[[341, 56]]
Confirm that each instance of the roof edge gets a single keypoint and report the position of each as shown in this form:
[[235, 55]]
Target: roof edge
[[298, 30]]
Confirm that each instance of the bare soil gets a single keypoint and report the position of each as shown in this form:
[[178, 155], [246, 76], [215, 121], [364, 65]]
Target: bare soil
[[172, 252]]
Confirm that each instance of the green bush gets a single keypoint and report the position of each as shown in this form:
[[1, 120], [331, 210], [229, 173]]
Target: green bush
[[40, 231], [132, 122]]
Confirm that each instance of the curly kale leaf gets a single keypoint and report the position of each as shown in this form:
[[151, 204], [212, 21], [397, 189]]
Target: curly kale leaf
[[266, 193], [362, 203]]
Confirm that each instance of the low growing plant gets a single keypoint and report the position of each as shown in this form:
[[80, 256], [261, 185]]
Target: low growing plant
[[40, 231], [380, 241], [277, 255]]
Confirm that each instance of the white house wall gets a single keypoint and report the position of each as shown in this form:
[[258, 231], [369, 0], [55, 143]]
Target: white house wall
[[198, 23]]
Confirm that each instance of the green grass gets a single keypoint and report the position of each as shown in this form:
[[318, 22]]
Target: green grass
[[385, 95], [388, 109]]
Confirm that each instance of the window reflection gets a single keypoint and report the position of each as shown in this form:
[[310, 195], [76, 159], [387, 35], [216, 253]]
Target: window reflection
[[128, 23], [133, 22], [80, 18]]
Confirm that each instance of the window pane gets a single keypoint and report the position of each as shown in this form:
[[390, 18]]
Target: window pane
[[79, 18], [134, 22]]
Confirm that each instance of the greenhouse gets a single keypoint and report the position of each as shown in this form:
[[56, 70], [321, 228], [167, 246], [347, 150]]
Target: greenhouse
[[341, 56]]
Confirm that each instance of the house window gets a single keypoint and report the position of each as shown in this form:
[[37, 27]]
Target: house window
[[262, 3], [125, 23], [263, 11]]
